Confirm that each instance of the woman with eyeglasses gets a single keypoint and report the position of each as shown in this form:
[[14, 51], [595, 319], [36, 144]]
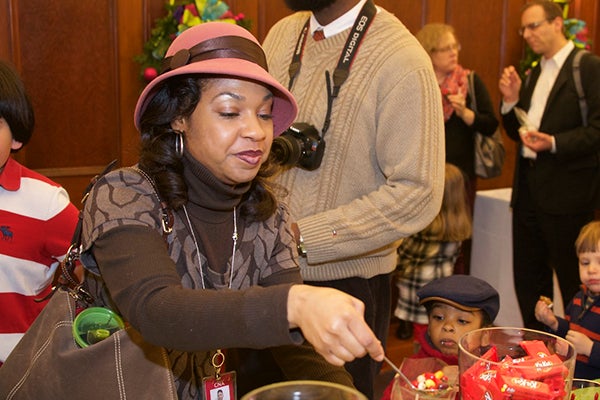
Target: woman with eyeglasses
[[460, 121]]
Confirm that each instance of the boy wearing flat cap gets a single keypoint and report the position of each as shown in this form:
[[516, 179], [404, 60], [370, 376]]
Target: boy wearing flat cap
[[455, 305]]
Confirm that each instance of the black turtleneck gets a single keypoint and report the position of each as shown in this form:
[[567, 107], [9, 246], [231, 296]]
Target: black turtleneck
[[210, 207]]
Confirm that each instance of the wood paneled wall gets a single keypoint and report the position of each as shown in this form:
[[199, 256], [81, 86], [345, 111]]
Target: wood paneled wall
[[76, 58]]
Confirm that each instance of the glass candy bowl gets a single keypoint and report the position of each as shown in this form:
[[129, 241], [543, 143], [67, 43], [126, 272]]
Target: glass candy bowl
[[514, 363], [425, 379], [304, 390]]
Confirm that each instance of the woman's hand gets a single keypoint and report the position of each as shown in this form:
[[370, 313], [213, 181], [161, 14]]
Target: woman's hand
[[544, 314], [459, 103], [583, 344], [333, 322]]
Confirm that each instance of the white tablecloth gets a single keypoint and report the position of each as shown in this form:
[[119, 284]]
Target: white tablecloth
[[491, 256]]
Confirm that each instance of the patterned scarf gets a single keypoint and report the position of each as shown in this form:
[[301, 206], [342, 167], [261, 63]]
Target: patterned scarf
[[455, 82]]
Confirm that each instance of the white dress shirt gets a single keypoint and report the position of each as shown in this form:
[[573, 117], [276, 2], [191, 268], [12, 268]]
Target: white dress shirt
[[339, 25], [550, 67]]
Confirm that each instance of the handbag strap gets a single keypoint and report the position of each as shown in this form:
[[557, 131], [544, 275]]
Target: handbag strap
[[166, 215], [65, 277], [471, 90]]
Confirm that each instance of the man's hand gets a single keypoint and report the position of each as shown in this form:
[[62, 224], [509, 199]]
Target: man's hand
[[510, 85], [536, 141]]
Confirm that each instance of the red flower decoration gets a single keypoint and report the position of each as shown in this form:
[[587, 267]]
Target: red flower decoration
[[192, 8]]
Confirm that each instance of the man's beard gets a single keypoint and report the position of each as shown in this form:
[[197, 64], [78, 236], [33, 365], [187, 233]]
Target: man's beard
[[308, 5]]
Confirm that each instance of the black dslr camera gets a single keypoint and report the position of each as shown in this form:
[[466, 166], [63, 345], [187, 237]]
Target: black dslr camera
[[300, 145]]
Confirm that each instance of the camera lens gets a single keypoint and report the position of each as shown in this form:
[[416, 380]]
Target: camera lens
[[286, 150]]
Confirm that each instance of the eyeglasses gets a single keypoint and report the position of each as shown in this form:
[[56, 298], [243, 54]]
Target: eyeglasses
[[532, 26], [447, 49]]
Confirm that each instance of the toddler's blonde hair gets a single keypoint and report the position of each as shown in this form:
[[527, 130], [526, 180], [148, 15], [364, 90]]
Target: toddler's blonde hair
[[588, 239], [454, 222]]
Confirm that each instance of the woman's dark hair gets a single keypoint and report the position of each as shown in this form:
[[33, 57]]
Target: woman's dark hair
[[175, 98], [15, 107]]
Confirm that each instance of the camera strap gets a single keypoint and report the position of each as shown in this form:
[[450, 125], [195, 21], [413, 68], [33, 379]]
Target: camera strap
[[342, 71]]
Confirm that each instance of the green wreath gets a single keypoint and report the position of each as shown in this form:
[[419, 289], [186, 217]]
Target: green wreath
[[181, 15]]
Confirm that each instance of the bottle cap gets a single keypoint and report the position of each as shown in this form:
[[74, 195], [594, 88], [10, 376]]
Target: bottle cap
[[95, 324]]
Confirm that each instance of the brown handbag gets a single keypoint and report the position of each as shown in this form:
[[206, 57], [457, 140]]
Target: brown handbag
[[47, 363]]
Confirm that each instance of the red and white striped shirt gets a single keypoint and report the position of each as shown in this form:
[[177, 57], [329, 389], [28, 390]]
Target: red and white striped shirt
[[37, 222]]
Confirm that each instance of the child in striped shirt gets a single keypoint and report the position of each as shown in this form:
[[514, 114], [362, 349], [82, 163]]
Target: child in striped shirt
[[37, 219], [581, 325]]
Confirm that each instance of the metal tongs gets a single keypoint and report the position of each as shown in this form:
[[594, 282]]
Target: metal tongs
[[399, 372]]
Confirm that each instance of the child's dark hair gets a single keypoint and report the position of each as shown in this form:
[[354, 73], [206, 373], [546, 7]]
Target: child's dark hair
[[15, 107]]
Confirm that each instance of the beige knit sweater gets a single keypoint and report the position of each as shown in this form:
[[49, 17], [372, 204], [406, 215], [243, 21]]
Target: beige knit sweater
[[382, 174]]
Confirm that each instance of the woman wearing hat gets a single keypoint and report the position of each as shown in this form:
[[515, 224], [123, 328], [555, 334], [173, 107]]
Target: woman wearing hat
[[191, 243]]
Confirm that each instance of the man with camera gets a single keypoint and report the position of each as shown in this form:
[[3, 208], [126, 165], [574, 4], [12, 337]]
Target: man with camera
[[365, 159]]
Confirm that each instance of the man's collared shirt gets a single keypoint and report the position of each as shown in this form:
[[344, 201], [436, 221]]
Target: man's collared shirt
[[339, 25], [550, 69]]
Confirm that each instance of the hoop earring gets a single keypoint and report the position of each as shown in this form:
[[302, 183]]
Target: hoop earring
[[178, 143]]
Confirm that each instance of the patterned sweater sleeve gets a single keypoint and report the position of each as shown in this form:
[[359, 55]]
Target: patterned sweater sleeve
[[143, 282]]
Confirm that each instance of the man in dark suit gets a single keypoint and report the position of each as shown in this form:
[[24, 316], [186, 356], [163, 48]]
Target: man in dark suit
[[557, 174]]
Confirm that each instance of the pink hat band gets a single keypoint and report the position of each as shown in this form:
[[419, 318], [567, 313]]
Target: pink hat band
[[220, 48]]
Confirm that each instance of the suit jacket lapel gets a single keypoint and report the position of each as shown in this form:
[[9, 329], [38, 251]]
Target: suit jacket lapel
[[561, 80]]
